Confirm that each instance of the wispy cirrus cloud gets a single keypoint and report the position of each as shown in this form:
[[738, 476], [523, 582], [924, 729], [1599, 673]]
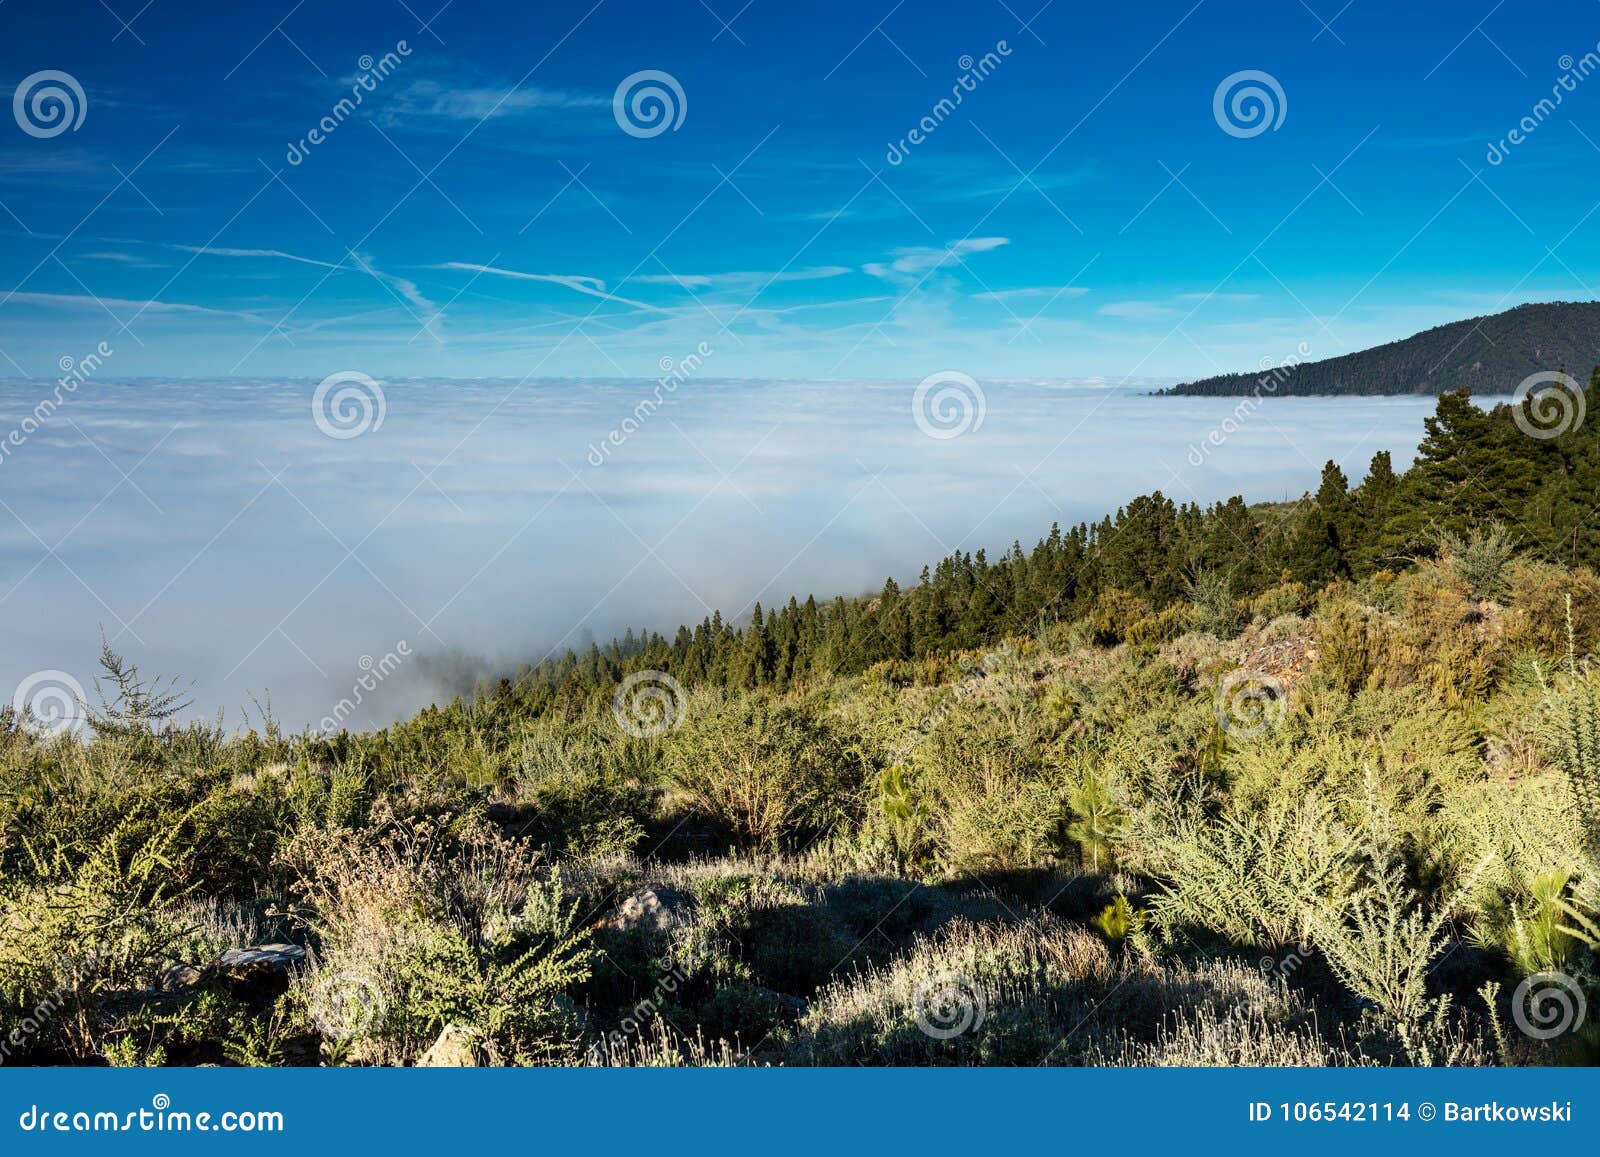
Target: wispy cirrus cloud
[[131, 260], [430, 99], [430, 315], [914, 260], [1026, 291], [278, 254], [1137, 310], [682, 281], [94, 301], [427, 313], [743, 279], [1235, 298], [1166, 307], [589, 286]]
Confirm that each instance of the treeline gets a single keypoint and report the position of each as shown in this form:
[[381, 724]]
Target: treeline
[[1474, 468], [1488, 355]]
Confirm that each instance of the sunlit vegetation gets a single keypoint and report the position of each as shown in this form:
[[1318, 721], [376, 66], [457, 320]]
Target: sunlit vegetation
[[1315, 783]]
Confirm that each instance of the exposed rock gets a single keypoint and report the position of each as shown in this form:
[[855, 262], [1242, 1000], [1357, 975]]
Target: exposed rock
[[793, 1007], [237, 964], [179, 977], [458, 1047], [258, 975], [276, 957], [658, 910], [1286, 659]]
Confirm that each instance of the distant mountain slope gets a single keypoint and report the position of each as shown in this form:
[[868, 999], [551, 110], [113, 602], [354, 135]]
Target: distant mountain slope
[[1490, 355]]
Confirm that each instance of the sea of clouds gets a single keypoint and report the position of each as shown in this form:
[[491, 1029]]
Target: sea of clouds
[[214, 530]]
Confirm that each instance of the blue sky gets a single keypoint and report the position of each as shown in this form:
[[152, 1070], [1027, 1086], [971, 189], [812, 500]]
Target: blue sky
[[1082, 212]]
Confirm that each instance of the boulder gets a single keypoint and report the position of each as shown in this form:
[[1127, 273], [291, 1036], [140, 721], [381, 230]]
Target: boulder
[[458, 1047], [274, 957], [793, 1007], [659, 910], [179, 977], [258, 975]]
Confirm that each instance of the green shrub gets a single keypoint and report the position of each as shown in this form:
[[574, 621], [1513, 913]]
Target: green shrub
[[1114, 614], [97, 926], [1344, 646], [768, 771], [1573, 735], [993, 808], [1097, 819], [1215, 611], [434, 924], [1256, 878], [1290, 598], [1382, 942], [1118, 920], [572, 799], [1482, 559]]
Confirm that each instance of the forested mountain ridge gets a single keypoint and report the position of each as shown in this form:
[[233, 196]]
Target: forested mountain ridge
[[1488, 355]]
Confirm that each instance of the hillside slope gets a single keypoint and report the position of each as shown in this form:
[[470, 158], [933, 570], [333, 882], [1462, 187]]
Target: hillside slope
[[1490, 355]]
